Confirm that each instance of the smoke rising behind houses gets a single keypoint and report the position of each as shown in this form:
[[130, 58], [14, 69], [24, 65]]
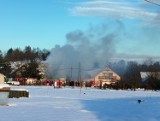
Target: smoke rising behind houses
[[92, 49], [95, 47]]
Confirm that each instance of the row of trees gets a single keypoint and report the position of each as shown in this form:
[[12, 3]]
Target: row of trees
[[27, 54], [131, 76], [32, 57]]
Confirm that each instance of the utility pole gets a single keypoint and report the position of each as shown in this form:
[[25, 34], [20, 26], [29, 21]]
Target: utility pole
[[79, 76], [70, 76], [79, 73]]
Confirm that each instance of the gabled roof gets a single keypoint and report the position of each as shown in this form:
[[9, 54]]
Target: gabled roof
[[145, 75], [20, 68], [94, 73], [146, 80], [2, 75]]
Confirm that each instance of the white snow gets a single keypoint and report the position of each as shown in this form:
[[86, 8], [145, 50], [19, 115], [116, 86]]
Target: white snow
[[67, 104], [4, 98], [4, 86]]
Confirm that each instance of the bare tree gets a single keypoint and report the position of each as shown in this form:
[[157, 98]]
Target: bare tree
[[132, 75]]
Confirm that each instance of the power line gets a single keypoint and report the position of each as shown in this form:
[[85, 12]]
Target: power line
[[152, 2]]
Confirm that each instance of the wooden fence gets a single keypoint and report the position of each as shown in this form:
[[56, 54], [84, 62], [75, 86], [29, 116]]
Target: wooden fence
[[18, 93]]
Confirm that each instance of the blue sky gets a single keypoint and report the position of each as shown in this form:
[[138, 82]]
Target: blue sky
[[46, 23]]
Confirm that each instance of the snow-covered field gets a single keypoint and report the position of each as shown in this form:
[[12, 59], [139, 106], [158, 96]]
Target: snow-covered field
[[67, 104]]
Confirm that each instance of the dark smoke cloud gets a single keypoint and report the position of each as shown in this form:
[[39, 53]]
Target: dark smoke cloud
[[92, 48]]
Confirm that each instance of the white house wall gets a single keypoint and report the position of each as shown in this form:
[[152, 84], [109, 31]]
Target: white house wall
[[107, 76], [2, 77]]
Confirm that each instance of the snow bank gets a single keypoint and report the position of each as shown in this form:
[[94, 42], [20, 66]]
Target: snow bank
[[4, 86]]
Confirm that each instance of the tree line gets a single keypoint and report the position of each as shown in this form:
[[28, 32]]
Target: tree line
[[130, 73], [32, 56], [27, 54]]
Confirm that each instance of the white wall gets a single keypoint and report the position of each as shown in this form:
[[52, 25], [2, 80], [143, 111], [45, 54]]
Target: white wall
[[2, 78]]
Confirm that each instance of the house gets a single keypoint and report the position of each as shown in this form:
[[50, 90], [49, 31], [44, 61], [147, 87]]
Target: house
[[150, 80], [106, 76], [145, 75], [18, 72], [2, 78], [30, 81]]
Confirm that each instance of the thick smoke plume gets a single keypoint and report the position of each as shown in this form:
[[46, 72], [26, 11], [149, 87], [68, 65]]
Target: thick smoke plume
[[91, 49]]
